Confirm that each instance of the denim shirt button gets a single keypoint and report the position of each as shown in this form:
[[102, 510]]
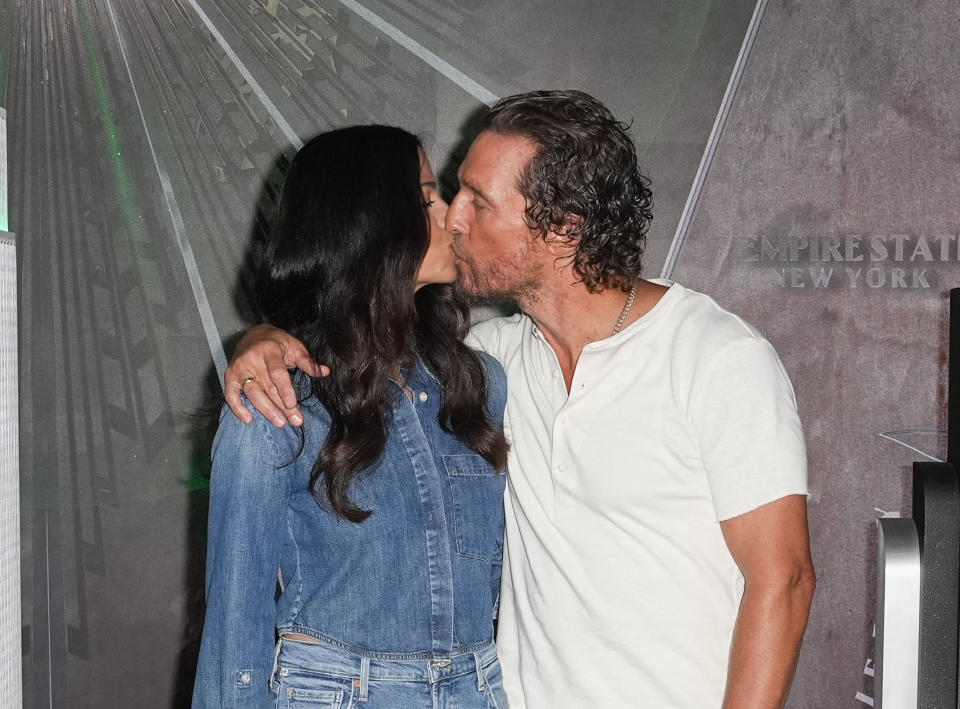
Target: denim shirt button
[[245, 677], [423, 396]]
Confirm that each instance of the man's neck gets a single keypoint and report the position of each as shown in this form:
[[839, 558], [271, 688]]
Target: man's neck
[[571, 317]]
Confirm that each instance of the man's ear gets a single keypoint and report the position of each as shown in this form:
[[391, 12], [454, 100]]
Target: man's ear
[[560, 238]]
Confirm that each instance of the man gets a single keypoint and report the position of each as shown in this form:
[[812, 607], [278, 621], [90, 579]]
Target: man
[[657, 552]]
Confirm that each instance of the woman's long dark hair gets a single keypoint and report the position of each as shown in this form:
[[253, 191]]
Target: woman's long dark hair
[[338, 274]]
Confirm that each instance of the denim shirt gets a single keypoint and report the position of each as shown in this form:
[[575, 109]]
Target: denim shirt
[[419, 578]]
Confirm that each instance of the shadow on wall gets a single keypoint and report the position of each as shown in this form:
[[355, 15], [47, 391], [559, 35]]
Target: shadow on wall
[[447, 172]]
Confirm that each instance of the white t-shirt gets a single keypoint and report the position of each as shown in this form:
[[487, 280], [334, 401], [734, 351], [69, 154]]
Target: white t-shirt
[[618, 588]]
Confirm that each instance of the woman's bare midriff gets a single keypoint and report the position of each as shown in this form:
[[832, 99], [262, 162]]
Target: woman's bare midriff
[[300, 638]]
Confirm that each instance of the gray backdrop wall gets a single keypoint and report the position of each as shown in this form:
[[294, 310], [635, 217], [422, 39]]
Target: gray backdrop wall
[[147, 139]]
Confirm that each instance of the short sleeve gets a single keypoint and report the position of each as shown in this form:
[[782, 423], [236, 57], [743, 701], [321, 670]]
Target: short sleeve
[[744, 417]]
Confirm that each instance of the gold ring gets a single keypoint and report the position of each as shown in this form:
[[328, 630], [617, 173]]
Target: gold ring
[[245, 381]]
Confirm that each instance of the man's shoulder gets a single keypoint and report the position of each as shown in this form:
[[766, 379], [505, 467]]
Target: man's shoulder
[[495, 335], [708, 343], [701, 324]]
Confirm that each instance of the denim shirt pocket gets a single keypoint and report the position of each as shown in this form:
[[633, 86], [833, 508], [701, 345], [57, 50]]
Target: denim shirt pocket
[[477, 493]]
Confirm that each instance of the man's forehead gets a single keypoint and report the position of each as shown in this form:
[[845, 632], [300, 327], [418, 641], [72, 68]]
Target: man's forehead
[[494, 152]]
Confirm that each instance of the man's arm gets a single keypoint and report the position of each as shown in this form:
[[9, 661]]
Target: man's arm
[[772, 548], [262, 357], [265, 353]]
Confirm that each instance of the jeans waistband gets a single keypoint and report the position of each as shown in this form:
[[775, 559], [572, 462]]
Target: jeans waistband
[[331, 660]]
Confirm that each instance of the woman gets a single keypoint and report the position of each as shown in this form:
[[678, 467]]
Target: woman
[[370, 544]]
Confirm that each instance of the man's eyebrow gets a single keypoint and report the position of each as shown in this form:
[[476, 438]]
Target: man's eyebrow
[[473, 188]]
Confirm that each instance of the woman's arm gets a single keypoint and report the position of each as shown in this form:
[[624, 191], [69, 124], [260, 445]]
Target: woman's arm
[[246, 530], [496, 406]]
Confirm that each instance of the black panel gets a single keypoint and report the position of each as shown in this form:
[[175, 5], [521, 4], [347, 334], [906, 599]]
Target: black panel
[[953, 391], [936, 511]]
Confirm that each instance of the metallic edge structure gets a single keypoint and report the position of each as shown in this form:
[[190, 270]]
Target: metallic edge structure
[[11, 673], [11, 676], [3, 171], [686, 216], [898, 614]]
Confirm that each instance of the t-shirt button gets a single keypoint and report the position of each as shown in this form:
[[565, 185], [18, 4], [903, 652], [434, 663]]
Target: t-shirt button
[[561, 467], [423, 396]]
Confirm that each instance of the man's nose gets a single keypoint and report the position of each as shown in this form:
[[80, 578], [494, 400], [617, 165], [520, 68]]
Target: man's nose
[[440, 216], [455, 219]]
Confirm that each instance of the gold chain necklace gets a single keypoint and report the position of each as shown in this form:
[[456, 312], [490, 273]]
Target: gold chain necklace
[[626, 309]]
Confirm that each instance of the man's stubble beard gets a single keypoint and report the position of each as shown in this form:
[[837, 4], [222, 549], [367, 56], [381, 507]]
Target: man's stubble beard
[[514, 279]]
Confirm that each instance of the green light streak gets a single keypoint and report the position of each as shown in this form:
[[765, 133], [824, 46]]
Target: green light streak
[[199, 474], [121, 175]]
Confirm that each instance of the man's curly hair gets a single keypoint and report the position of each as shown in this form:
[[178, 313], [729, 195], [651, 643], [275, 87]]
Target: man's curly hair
[[583, 182]]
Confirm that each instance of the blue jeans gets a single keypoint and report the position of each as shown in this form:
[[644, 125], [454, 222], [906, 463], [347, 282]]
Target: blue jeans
[[324, 676]]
